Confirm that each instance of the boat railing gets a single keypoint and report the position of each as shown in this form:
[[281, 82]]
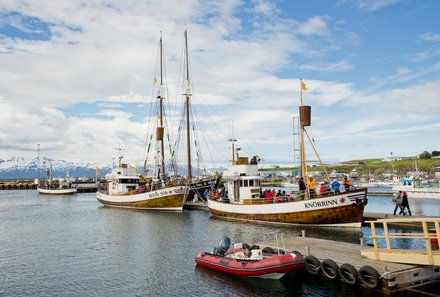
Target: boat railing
[[429, 235]]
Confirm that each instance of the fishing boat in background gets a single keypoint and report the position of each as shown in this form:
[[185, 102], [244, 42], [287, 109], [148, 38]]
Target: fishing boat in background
[[417, 187], [156, 191], [62, 186], [242, 199], [240, 259]]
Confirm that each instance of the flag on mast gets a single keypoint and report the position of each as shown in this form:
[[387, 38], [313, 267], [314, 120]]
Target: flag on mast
[[303, 86]]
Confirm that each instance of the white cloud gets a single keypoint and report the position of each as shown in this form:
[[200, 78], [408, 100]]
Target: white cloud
[[103, 55], [374, 5], [315, 25], [430, 37], [342, 65]]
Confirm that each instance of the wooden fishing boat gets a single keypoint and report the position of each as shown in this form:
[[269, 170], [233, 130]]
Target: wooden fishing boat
[[243, 260], [128, 189], [242, 200]]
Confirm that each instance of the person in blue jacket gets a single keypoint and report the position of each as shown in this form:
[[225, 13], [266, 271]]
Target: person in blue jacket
[[335, 186]]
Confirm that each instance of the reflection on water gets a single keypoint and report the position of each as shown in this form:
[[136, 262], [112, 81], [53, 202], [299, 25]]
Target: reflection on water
[[72, 246]]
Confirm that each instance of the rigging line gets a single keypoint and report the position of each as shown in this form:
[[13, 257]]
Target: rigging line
[[215, 145], [204, 134], [317, 155]]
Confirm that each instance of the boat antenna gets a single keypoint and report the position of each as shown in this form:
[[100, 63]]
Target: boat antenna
[[39, 164], [232, 140]]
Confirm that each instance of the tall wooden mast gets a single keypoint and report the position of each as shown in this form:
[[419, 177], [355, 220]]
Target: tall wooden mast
[[304, 120], [160, 129], [187, 95]]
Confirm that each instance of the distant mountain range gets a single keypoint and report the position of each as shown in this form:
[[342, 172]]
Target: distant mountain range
[[19, 167]]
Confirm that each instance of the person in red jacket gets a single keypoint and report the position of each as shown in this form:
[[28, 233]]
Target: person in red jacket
[[269, 197]]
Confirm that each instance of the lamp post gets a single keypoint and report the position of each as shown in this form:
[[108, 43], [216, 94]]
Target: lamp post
[[392, 163]]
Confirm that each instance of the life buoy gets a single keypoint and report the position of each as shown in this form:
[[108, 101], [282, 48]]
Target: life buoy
[[312, 265], [330, 269], [369, 277], [348, 274]]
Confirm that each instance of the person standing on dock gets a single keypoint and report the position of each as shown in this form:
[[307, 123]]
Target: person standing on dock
[[397, 199], [405, 204]]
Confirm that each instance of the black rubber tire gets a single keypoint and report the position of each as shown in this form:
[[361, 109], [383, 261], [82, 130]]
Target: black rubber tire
[[268, 250], [313, 265], [369, 277], [280, 251], [330, 269], [348, 274]]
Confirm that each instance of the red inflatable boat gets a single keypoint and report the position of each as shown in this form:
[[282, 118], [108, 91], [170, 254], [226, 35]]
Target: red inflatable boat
[[243, 260]]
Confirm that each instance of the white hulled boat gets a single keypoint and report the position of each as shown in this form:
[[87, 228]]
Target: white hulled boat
[[418, 188], [243, 201], [128, 189]]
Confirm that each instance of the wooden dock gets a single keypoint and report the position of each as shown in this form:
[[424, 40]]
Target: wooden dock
[[394, 277]]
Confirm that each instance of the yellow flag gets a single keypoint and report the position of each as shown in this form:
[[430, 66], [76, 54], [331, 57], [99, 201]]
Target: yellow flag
[[155, 81], [303, 86], [97, 171]]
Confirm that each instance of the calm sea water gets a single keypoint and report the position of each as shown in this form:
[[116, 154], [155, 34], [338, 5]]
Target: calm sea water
[[73, 246]]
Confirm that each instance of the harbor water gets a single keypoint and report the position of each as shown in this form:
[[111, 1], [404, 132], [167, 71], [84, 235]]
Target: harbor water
[[73, 246]]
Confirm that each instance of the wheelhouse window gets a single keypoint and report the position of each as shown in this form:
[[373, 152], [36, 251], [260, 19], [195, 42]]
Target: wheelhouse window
[[128, 181]]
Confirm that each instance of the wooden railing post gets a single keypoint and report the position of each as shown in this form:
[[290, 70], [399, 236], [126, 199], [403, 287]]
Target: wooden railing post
[[373, 235], [427, 242], [387, 239]]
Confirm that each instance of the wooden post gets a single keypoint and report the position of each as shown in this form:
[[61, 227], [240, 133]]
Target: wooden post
[[387, 239], [373, 235], [427, 242]]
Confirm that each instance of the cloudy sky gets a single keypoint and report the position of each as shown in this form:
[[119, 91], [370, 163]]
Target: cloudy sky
[[77, 77]]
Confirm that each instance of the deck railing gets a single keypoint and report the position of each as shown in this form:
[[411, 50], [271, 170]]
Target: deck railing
[[430, 235]]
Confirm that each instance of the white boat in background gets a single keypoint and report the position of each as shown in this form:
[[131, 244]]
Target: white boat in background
[[418, 188], [56, 191], [62, 186]]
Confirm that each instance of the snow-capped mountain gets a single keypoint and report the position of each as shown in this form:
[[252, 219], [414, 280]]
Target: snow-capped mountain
[[19, 167]]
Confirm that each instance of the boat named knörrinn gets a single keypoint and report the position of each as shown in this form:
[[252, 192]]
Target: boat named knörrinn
[[242, 199]]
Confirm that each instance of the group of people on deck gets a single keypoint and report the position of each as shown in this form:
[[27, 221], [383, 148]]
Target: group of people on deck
[[272, 196]]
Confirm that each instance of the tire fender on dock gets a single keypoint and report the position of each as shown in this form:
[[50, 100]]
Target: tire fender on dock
[[330, 269], [369, 277], [348, 274], [312, 264]]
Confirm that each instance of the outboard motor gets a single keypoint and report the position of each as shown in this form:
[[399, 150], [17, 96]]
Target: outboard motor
[[222, 246]]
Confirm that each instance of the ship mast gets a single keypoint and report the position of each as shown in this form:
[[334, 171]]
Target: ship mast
[[187, 95], [160, 129], [304, 120]]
